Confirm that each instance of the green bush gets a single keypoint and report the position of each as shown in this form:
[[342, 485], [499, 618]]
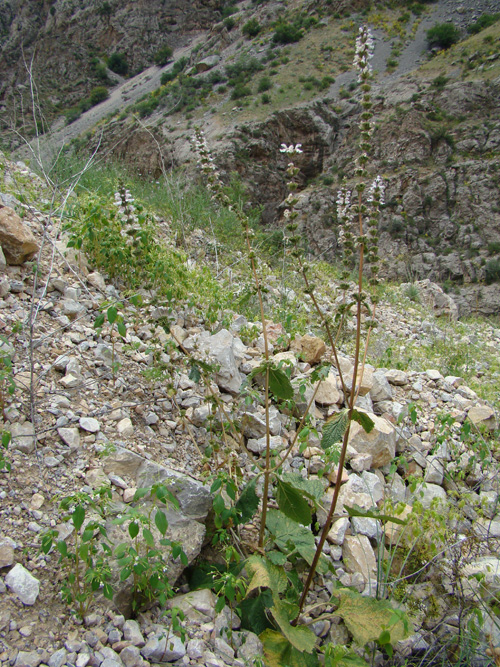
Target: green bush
[[492, 271], [287, 33], [442, 36], [177, 68], [266, 98], [494, 247], [440, 82], [72, 114], [483, 22], [251, 28], [240, 90], [229, 23], [117, 63], [163, 55], [264, 84], [98, 94]]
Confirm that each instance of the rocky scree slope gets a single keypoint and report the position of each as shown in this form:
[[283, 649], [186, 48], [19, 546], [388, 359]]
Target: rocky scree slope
[[76, 425]]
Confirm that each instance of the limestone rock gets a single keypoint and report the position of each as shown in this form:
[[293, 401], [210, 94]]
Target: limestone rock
[[364, 381], [89, 424], [125, 427], [327, 392], [161, 649], [221, 348], [70, 436], [483, 415], [203, 601], [381, 389], [358, 556], [380, 442], [22, 437], [427, 493], [17, 241], [396, 377], [309, 348], [23, 584]]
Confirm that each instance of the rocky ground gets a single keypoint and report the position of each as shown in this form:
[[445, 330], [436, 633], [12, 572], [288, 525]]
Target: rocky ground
[[78, 421]]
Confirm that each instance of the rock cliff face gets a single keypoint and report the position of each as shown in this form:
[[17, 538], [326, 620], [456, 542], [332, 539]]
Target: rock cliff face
[[65, 35]]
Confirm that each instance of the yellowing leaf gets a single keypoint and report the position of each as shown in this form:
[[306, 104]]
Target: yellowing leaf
[[280, 653], [366, 618], [263, 574]]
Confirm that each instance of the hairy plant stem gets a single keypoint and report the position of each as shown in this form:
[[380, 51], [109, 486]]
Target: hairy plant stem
[[352, 396]]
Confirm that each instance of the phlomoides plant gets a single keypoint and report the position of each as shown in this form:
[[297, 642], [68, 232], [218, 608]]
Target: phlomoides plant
[[276, 598], [114, 319]]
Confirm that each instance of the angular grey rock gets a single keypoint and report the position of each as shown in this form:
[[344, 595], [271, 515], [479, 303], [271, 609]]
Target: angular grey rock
[[89, 424], [70, 436], [427, 493], [249, 645], [132, 633], [22, 437], [17, 241], [220, 347], [58, 658], [381, 389], [159, 649], [23, 584], [6, 554], [380, 442], [195, 499], [131, 656], [28, 659]]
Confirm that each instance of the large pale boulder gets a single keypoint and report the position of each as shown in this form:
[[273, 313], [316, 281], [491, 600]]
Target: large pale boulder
[[309, 348], [328, 392], [222, 349], [17, 241], [380, 442]]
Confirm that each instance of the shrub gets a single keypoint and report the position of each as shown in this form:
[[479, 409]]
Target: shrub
[[163, 55], [443, 35], [229, 23], [440, 82], [251, 28], [266, 98], [264, 84], [494, 247], [177, 68], [240, 90], [287, 33], [117, 63], [492, 271], [73, 114], [98, 94], [483, 22]]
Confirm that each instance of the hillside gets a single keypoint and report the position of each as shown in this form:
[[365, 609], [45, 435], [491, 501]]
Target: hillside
[[227, 441]]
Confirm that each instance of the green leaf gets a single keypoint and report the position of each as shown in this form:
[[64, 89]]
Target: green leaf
[[263, 574], [121, 329], [78, 516], [366, 618], [373, 514], [289, 536], [276, 557], [161, 521], [194, 373], [279, 384], [6, 436], [112, 314], [248, 502], [62, 547], [280, 653], [334, 429], [133, 529], [363, 420], [292, 503], [107, 591], [99, 321], [342, 656], [254, 612], [312, 488], [300, 636], [148, 537], [140, 493]]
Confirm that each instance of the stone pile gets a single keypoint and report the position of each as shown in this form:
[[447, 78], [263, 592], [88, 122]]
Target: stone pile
[[84, 414]]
